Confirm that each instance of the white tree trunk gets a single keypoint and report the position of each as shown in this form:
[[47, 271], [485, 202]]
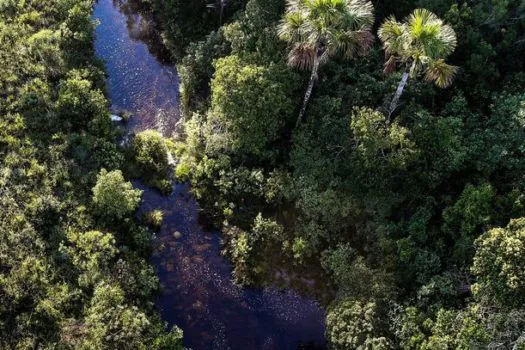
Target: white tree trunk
[[308, 94], [399, 92]]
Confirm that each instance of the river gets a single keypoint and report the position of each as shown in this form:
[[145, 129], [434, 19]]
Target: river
[[197, 291]]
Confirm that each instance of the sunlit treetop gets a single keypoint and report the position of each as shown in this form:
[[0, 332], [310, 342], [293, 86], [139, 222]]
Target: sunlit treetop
[[332, 26], [420, 43]]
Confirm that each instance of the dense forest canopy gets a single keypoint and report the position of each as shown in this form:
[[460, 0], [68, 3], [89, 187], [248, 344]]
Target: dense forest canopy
[[381, 143], [74, 271], [382, 140]]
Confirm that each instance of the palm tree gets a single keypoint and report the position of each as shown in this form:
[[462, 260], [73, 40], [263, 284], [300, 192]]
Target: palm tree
[[220, 5], [419, 45], [318, 29]]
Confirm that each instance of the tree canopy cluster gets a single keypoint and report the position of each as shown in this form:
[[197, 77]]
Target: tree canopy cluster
[[74, 271], [383, 141]]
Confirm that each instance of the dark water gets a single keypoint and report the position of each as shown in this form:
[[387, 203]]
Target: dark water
[[198, 294]]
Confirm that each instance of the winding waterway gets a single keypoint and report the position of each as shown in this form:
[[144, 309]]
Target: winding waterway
[[197, 292]]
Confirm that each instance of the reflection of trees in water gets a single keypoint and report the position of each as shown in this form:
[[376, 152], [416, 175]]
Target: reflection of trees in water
[[142, 27]]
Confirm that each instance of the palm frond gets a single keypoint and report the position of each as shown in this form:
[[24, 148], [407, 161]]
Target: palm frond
[[390, 64], [295, 5], [337, 25], [440, 73], [391, 33], [361, 13], [302, 56], [354, 43], [421, 20], [423, 41], [434, 38], [448, 38], [291, 26]]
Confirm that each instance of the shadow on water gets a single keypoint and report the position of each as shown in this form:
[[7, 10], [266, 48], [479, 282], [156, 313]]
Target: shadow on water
[[197, 292]]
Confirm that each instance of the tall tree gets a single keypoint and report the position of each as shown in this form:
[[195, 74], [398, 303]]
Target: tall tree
[[499, 265], [318, 29], [419, 45], [218, 5]]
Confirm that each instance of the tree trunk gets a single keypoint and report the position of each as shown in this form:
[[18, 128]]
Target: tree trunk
[[399, 92], [308, 94]]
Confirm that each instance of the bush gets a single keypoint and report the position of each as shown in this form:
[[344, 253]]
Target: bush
[[150, 152], [196, 70], [250, 103], [113, 197], [154, 219], [78, 102], [351, 324], [183, 171], [499, 264]]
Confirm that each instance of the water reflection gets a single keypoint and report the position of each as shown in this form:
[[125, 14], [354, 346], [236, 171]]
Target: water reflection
[[141, 26], [198, 294], [138, 81]]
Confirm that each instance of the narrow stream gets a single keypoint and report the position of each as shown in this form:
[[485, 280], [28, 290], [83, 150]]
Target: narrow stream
[[197, 292]]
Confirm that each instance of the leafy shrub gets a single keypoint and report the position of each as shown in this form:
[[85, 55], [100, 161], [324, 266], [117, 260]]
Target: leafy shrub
[[154, 219], [113, 197]]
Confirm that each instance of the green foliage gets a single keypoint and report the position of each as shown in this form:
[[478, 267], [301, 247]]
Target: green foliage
[[106, 155], [154, 219], [411, 328], [484, 48], [498, 264], [92, 253], [352, 324], [169, 341], [390, 208], [379, 143], [449, 330], [458, 331], [150, 153], [182, 171], [470, 213], [78, 103], [249, 105], [346, 267], [266, 229], [196, 69], [498, 141], [187, 21], [112, 323], [420, 44], [240, 252], [475, 327], [64, 270], [263, 235], [254, 33], [113, 197], [443, 147]]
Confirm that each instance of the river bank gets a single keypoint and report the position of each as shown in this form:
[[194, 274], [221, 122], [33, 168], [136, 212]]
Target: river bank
[[197, 290]]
